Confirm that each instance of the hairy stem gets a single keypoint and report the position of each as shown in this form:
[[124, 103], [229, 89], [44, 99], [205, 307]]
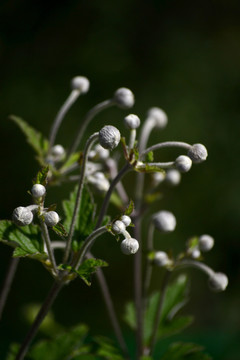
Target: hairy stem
[[88, 145], [48, 245], [40, 317], [7, 283], [166, 144]]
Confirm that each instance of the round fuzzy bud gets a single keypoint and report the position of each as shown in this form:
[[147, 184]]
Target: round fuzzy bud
[[124, 98], [161, 258], [51, 218], [101, 152], [195, 253], [158, 178], [129, 246], [173, 177], [38, 191], [126, 220], [205, 243], [58, 151], [218, 282], [118, 227], [159, 116], [80, 83], [164, 221], [132, 121], [198, 153], [109, 137], [183, 163], [22, 216]]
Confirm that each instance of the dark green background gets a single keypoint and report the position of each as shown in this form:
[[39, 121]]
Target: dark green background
[[183, 56]]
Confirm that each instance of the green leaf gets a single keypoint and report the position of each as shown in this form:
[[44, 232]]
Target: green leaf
[[35, 139], [60, 230], [107, 349], [12, 352], [85, 223], [149, 156], [66, 346], [182, 351], [130, 315], [41, 177], [27, 239], [74, 158], [89, 267], [130, 208]]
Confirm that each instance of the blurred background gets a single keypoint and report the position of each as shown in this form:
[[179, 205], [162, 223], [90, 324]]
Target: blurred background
[[181, 56]]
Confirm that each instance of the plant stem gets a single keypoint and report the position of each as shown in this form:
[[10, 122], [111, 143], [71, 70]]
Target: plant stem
[[132, 139], [110, 308], [48, 245], [40, 317], [159, 310], [88, 145], [122, 172], [8, 282], [112, 166], [197, 264], [166, 144], [60, 115], [84, 123], [148, 272]]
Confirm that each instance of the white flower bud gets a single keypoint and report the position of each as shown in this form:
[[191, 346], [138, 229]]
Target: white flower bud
[[164, 221], [158, 178], [132, 121], [51, 218], [195, 253], [218, 282], [124, 98], [205, 243], [58, 151], [173, 177], [161, 258], [80, 83], [126, 220], [129, 246], [118, 227], [38, 191], [101, 152], [99, 180], [183, 163], [198, 153], [158, 116], [109, 137], [22, 216]]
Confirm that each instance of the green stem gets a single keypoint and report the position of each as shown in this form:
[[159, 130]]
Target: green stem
[[88, 145]]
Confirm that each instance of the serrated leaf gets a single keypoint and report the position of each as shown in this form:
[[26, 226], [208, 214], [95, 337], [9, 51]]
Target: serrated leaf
[[60, 230], [182, 351], [35, 139], [41, 177], [107, 349], [89, 267], [65, 346], [85, 223], [130, 208], [27, 239]]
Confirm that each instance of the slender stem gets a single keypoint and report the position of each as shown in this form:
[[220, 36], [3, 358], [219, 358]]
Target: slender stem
[[48, 245], [127, 167], [111, 311], [197, 264], [148, 272], [58, 244], [88, 145], [88, 244], [147, 127], [112, 166], [7, 283], [89, 116], [166, 144], [132, 138], [60, 115], [40, 317], [138, 288], [159, 310], [162, 165]]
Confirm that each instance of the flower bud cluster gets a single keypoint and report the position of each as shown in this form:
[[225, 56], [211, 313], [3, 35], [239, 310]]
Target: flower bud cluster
[[204, 244], [129, 245]]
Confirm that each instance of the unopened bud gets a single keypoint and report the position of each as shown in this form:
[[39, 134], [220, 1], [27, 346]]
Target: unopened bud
[[101, 152], [129, 246], [183, 163], [132, 121], [80, 83], [198, 153], [173, 177], [218, 282], [164, 221], [124, 98], [57, 151], [126, 220], [109, 137], [159, 117], [51, 218], [22, 216], [161, 258], [118, 227], [206, 242], [38, 190]]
